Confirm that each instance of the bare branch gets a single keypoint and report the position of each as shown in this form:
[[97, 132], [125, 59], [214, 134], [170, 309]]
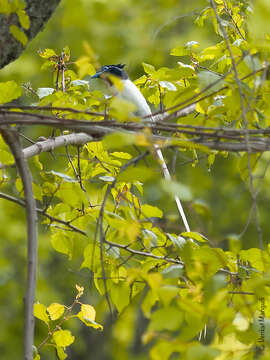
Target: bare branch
[[53, 143], [11, 137], [143, 253], [43, 213]]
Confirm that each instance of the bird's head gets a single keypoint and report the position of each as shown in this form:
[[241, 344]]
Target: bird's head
[[115, 70]]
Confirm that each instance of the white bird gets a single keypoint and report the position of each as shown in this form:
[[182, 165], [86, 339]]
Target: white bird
[[132, 94]]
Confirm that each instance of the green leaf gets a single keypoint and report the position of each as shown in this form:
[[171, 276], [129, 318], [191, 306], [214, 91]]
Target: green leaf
[[215, 283], [205, 78], [173, 271], [63, 338], [6, 7], [88, 312], [178, 241], [168, 318], [37, 192], [180, 51], [47, 53], [184, 50], [247, 164], [40, 312], [9, 91], [61, 353], [151, 211], [149, 69], [195, 236], [18, 34], [202, 352], [167, 293], [121, 155], [258, 258], [87, 315], [149, 301], [62, 243], [6, 157], [120, 294], [185, 69], [23, 18]]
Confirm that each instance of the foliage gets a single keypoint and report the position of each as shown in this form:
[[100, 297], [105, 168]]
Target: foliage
[[109, 212]]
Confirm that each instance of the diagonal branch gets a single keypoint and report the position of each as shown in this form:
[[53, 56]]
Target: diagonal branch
[[43, 213]]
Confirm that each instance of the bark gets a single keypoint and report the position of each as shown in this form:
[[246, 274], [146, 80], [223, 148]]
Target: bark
[[39, 13], [11, 138]]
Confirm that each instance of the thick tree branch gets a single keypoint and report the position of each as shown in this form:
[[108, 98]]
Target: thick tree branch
[[53, 143], [39, 13], [11, 137]]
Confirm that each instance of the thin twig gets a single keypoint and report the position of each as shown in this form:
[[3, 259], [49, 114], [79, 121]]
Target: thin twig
[[102, 241], [43, 213], [245, 122], [143, 253]]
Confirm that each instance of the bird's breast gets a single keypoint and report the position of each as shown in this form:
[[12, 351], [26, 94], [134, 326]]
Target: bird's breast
[[132, 94]]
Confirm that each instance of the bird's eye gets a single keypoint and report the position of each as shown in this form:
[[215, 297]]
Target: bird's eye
[[105, 68]]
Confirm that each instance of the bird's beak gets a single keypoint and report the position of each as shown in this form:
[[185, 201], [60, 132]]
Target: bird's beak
[[97, 75]]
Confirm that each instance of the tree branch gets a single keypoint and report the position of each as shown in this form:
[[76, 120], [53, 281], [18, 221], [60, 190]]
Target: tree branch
[[12, 139], [43, 213]]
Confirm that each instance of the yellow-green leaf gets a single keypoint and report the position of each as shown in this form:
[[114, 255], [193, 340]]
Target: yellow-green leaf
[[5, 7], [121, 155], [88, 312], [62, 243], [149, 69], [47, 53], [61, 353], [40, 312], [23, 18], [18, 34], [9, 91], [63, 338], [89, 322], [55, 311], [195, 236], [151, 211]]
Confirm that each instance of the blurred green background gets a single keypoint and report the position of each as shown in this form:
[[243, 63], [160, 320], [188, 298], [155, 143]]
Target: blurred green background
[[131, 32]]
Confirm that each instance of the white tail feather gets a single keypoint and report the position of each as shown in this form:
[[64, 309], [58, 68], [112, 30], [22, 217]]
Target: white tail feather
[[132, 93]]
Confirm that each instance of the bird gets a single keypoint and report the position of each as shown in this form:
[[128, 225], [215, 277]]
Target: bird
[[132, 94]]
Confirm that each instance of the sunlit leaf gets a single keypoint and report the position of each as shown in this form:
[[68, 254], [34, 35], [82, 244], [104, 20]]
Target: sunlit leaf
[[151, 211], [63, 338], [55, 311], [9, 91], [40, 312]]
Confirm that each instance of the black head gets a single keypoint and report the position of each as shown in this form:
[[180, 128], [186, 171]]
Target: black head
[[116, 70]]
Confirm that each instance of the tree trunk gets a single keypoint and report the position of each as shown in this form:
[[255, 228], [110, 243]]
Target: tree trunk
[[39, 13]]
